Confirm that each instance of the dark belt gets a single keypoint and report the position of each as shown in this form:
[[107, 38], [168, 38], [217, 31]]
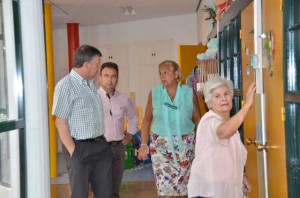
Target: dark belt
[[95, 139], [113, 143]]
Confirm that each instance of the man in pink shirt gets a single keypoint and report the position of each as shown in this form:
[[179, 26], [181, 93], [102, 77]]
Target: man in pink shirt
[[116, 106]]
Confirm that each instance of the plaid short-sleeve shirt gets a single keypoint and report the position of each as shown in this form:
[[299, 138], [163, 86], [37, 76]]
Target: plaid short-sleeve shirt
[[77, 101]]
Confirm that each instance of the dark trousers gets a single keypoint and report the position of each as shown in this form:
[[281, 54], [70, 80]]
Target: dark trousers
[[117, 168], [90, 163]]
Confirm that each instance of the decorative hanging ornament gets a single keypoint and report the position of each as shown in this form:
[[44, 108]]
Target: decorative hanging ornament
[[269, 49], [223, 6]]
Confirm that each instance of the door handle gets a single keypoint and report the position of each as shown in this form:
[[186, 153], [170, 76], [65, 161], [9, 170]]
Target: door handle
[[250, 141], [259, 147]]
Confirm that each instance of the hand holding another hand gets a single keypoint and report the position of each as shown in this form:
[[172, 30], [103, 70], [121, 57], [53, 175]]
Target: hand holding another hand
[[143, 152]]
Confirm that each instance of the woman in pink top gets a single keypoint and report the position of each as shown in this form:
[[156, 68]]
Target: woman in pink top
[[220, 156]]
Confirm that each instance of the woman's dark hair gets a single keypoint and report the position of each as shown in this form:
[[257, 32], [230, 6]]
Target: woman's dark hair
[[85, 53]]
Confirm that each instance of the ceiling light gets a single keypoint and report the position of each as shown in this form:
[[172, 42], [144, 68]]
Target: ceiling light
[[133, 11], [127, 12]]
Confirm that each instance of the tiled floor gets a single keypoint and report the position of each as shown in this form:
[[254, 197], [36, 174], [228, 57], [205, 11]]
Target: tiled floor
[[137, 182], [143, 189]]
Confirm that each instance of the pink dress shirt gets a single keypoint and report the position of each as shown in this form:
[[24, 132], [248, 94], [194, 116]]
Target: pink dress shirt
[[218, 166], [115, 109]]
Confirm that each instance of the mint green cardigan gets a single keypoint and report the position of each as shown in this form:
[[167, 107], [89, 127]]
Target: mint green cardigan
[[172, 117]]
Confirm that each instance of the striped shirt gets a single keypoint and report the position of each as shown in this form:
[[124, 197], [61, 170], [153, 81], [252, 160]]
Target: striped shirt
[[77, 101]]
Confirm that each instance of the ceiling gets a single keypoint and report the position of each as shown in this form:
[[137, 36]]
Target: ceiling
[[98, 12]]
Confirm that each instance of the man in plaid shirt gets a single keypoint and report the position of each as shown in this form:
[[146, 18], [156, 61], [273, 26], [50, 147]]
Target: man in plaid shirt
[[80, 123]]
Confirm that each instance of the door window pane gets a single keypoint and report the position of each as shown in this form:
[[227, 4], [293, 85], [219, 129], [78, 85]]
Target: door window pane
[[4, 160], [3, 82]]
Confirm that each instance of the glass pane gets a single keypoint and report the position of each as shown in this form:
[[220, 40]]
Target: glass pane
[[228, 42], [297, 10], [228, 70], [235, 37], [296, 67], [9, 164], [236, 73], [3, 82], [4, 160], [292, 127], [221, 46], [293, 63], [222, 68], [236, 104]]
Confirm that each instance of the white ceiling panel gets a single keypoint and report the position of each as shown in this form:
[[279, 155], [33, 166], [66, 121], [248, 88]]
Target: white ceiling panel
[[97, 12]]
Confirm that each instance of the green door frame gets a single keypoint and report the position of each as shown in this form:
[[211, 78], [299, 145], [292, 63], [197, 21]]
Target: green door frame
[[291, 59]]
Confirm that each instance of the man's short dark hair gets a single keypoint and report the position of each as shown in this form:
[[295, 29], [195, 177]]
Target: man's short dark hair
[[85, 53], [110, 65]]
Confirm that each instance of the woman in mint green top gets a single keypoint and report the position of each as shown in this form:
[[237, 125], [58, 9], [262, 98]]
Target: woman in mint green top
[[173, 110]]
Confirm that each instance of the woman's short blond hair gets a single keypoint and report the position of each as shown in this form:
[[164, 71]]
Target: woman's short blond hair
[[174, 66], [214, 83]]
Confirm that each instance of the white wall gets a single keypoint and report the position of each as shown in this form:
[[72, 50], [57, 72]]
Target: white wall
[[182, 29], [60, 53], [204, 26]]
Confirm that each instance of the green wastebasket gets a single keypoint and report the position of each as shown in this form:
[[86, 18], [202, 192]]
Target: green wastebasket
[[129, 156]]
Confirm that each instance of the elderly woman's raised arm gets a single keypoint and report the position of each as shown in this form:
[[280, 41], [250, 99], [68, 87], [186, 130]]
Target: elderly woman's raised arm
[[229, 128]]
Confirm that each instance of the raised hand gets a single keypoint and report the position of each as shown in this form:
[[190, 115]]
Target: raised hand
[[250, 94]]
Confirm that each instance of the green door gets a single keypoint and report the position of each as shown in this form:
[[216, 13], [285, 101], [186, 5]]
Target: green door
[[292, 94], [230, 61]]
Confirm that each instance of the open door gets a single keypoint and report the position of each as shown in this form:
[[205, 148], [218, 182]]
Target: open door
[[247, 37], [264, 127]]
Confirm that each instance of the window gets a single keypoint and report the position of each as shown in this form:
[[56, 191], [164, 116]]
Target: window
[[12, 140], [3, 82], [230, 60], [4, 137], [292, 93]]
